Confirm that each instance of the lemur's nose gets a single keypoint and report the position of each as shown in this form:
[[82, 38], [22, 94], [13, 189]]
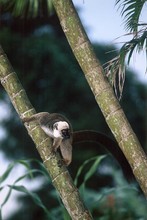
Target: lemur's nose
[[65, 134]]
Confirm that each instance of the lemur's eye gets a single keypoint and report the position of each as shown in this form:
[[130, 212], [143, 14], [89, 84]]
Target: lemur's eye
[[65, 133]]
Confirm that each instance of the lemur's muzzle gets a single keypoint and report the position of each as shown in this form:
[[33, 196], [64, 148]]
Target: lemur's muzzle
[[65, 134]]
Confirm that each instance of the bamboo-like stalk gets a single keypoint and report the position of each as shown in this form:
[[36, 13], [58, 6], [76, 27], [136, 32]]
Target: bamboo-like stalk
[[102, 90], [59, 174]]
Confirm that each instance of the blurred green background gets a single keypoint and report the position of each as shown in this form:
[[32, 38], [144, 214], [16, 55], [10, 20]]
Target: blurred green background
[[41, 56]]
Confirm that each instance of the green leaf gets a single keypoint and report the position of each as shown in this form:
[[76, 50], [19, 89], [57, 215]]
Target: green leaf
[[50, 6], [96, 160], [33, 8], [30, 172], [28, 8], [34, 196], [11, 166], [81, 168], [91, 171], [26, 164], [93, 168], [10, 190], [6, 173], [131, 11], [7, 197]]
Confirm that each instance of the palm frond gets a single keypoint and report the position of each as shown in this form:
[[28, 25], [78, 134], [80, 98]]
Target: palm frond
[[115, 72], [131, 10], [27, 8], [115, 68]]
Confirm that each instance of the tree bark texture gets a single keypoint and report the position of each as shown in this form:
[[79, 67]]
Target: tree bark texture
[[58, 173], [102, 90]]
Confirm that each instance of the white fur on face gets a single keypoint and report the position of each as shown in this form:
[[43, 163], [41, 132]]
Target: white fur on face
[[56, 133], [60, 126], [47, 131]]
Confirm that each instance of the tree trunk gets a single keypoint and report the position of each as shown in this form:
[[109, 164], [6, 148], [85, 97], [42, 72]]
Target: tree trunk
[[59, 174], [102, 90]]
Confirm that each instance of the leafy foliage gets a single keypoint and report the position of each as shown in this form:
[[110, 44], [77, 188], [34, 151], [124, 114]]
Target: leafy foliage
[[115, 68], [27, 8], [120, 203], [111, 203], [104, 204], [22, 188], [131, 11], [91, 171], [115, 71]]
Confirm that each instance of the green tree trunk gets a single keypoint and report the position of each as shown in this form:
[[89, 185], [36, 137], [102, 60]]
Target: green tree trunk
[[102, 90], [59, 174]]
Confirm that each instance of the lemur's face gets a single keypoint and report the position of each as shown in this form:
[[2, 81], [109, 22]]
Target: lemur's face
[[65, 133], [61, 130]]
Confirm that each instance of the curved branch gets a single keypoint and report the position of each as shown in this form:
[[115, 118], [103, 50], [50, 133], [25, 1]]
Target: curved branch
[[59, 174]]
